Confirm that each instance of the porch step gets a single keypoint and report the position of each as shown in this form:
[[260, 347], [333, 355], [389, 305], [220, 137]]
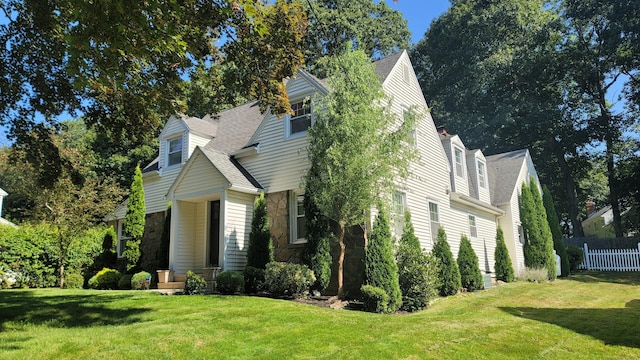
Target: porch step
[[172, 285]]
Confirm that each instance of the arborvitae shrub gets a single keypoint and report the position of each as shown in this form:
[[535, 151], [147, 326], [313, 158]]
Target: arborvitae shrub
[[546, 238], [134, 220], [288, 279], [380, 267], [538, 248], [470, 275], [503, 268], [194, 284], [317, 249], [125, 282], [575, 254], [556, 231], [105, 279], [417, 271], [260, 250], [229, 282], [253, 280], [72, 281], [449, 273], [374, 299], [139, 281]]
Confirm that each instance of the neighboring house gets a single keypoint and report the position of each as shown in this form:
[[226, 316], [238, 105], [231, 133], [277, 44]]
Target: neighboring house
[[212, 169], [598, 224], [4, 221]]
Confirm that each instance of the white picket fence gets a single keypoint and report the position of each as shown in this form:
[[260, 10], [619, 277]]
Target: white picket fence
[[611, 259]]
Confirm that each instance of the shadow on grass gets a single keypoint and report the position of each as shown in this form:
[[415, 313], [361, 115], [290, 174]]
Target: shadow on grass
[[23, 308], [614, 277], [612, 326]]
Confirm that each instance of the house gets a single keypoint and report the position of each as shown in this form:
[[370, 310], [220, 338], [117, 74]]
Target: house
[[4, 221], [598, 224], [212, 169]]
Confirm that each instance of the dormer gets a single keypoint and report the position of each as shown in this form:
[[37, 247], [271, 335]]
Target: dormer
[[477, 176], [456, 154], [180, 136]]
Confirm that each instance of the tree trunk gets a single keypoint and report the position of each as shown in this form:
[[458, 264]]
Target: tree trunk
[[570, 185], [61, 276], [613, 189], [341, 261]]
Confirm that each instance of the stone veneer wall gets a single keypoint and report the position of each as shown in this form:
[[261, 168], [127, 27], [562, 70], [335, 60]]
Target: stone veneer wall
[[278, 211], [151, 241]]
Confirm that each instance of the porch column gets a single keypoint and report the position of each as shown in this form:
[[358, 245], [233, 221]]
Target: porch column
[[173, 236]]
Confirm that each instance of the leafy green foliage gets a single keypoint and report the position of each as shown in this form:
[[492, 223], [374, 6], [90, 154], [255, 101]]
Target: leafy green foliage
[[356, 146], [105, 279], [139, 281], [503, 267], [260, 250], [449, 274], [229, 282], [380, 267], [253, 279], [288, 279], [417, 271], [371, 26], [194, 284], [317, 249], [556, 231], [134, 220], [538, 248], [575, 255], [470, 275], [125, 282], [375, 299], [74, 281]]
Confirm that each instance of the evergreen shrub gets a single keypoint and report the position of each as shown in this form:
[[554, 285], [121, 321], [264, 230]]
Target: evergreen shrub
[[288, 279], [503, 267], [375, 299], [194, 284], [317, 250], [253, 280], [105, 279], [229, 282], [470, 275], [380, 267], [260, 249], [73, 281], [125, 282], [575, 255], [139, 281], [448, 271]]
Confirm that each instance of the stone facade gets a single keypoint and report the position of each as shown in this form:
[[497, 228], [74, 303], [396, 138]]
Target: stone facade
[[278, 211], [151, 241]]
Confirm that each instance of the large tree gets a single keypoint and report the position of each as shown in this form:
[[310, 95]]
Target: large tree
[[372, 25], [357, 146], [122, 64]]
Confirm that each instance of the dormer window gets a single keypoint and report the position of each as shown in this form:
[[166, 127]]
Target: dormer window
[[300, 121], [174, 151], [481, 177], [458, 162]]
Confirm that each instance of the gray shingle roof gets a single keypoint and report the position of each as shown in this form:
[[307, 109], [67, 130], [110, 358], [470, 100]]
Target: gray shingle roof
[[230, 169], [235, 127], [203, 126], [386, 64], [503, 170]]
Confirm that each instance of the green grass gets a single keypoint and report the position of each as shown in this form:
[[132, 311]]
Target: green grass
[[591, 315]]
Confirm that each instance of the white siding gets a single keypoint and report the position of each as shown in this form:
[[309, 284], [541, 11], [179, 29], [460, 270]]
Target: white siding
[[199, 179], [194, 141], [238, 212], [282, 162], [483, 244], [460, 185], [155, 189], [429, 179], [174, 127]]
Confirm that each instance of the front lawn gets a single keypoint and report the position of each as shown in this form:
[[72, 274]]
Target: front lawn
[[591, 315]]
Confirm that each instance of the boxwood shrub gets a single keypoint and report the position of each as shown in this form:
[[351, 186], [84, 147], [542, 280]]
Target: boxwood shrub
[[288, 279], [139, 281], [374, 298], [73, 281], [105, 279], [229, 282]]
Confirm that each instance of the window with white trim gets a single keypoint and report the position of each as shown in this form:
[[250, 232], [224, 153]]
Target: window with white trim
[[413, 133], [297, 218], [300, 121], [434, 220], [174, 151], [482, 182], [521, 234], [122, 238], [473, 230], [457, 153], [399, 207]]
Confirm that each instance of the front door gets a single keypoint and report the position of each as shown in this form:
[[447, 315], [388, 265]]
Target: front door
[[214, 233]]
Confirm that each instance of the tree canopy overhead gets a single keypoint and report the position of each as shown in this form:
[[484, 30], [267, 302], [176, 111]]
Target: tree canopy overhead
[[121, 64]]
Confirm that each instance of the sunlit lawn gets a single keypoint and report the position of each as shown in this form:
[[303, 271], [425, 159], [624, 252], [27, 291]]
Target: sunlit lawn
[[591, 315]]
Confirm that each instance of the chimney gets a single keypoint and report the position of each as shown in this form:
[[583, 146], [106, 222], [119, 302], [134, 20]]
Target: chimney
[[591, 207], [442, 131]]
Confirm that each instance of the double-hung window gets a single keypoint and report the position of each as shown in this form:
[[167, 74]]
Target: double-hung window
[[458, 161], [300, 120], [434, 219], [473, 230], [174, 151], [482, 182], [297, 218], [399, 206], [122, 238]]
